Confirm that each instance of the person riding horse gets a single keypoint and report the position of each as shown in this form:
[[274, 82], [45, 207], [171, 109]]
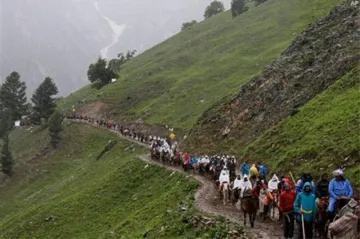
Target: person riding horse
[[339, 187]]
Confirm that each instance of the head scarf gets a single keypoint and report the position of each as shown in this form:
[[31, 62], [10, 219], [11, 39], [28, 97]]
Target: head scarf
[[338, 172]]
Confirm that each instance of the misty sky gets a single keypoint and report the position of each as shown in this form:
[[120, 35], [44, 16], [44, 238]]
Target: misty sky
[[60, 39]]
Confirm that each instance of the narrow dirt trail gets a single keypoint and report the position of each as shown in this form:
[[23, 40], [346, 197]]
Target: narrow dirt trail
[[207, 197]]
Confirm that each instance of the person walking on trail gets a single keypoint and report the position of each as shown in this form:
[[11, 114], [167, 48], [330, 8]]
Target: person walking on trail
[[262, 196], [305, 209], [273, 183], [286, 206], [305, 177], [262, 170], [267, 202], [244, 169], [338, 187], [322, 188], [253, 171]]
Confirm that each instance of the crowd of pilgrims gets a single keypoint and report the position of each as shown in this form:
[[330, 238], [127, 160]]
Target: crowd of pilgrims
[[324, 209]]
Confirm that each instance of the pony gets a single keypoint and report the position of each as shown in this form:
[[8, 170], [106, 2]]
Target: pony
[[321, 218], [249, 205]]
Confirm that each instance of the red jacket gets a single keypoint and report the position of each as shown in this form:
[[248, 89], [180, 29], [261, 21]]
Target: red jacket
[[286, 201]]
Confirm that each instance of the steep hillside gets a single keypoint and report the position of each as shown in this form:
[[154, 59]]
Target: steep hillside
[[323, 135], [176, 81], [316, 59], [68, 194]]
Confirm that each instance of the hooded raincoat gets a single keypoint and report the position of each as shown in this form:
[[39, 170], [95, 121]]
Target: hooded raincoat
[[273, 183], [337, 189], [306, 202], [253, 171], [244, 169]]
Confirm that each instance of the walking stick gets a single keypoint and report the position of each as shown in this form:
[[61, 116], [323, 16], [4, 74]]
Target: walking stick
[[292, 177], [302, 222]]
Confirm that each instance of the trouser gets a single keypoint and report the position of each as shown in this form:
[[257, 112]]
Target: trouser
[[288, 223], [308, 230], [266, 210]]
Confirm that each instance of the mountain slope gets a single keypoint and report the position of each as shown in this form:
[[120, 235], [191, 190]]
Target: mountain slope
[[315, 60], [68, 194], [174, 82], [324, 134]]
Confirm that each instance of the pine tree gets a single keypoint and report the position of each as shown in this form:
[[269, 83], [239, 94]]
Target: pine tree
[[6, 123], [44, 103], [13, 96], [55, 127], [6, 159]]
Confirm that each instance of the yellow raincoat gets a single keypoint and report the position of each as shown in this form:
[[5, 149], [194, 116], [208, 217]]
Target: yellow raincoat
[[253, 171]]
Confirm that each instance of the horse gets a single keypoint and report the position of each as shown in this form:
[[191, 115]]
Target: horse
[[235, 195], [225, 192], [321, 218], [249, 205]]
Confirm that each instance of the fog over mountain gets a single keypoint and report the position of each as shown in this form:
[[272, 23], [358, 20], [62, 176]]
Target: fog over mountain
[[61, 38]]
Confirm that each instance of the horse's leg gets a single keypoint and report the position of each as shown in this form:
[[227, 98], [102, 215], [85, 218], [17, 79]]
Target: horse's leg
[[252, 219], [244, 218]]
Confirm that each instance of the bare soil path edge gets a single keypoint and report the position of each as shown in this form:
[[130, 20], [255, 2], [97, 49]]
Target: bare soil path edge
[[206, 197]]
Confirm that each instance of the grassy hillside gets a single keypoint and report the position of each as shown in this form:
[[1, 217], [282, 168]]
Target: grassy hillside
[[68, 194], [323, 136], [177, 80]]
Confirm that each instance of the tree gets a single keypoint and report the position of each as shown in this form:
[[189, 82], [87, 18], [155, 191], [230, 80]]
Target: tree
[[214, 8], [55, 127], [187, 25], [258, 2], [6, 123], [97, 71], [43, 101], [13, 96], [238, 7], [100, 74], [116, 63], [6, 158]]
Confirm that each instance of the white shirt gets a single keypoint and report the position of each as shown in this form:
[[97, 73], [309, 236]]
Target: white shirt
[[224, 178]]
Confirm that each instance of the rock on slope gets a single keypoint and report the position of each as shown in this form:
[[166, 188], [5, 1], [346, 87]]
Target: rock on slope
[[317, 58]]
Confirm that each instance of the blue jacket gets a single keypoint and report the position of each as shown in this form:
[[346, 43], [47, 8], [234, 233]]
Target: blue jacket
[[244, 169], [340, 188], [193, 160], [262, 170], [307, 202]]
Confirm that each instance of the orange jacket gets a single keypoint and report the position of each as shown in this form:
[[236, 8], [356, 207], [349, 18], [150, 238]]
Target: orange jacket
[[268, 199]]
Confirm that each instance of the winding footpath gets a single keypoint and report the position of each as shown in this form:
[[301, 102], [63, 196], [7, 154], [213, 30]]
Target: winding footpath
[[207, 197]]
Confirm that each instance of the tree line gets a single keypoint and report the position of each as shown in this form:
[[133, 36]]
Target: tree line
[[14, 106], [215, 7]]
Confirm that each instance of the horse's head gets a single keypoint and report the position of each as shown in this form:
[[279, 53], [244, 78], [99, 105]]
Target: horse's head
[[341, 202]]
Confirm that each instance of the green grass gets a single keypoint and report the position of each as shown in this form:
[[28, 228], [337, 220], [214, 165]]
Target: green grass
[[114, 197], [165, 84], [323, 136]]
